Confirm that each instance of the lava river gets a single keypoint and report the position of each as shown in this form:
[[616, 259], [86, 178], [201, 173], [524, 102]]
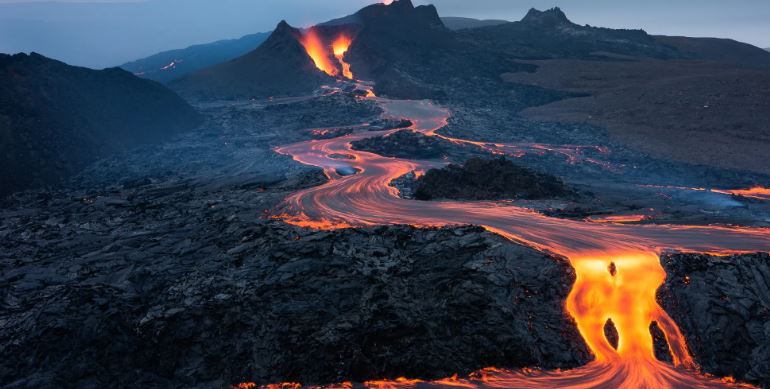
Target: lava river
[[626, 295]]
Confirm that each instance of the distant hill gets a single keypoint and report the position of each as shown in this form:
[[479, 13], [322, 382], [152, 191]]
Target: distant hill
[[720, 50], [550, 34], [278, 67], [459, 23], [56, 118], [174, 64]]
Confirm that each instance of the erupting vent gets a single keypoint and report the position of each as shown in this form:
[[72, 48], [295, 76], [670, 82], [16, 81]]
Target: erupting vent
[[323, 54]]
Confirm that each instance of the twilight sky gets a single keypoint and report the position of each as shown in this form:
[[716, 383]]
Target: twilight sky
[[101, 33]]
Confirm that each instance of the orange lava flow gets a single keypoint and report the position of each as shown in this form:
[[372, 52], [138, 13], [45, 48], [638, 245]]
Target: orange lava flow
[[618, 219], [319, 52], [322, 53], [626, 295], [339, 48], [756, 192]]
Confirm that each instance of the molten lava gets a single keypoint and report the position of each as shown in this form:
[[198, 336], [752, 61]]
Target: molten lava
[[339, 48], [757, 192], [322, 53], [319, 52], [619, 219], [623, 292]]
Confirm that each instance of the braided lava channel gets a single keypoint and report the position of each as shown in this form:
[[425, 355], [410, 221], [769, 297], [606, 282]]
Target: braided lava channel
[[626, 295]]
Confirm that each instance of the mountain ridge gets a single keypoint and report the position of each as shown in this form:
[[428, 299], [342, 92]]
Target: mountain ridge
[[460, 23], [538, 35], [718, 50], [280, 66], [56, 118], [552, 16], [173, 64]]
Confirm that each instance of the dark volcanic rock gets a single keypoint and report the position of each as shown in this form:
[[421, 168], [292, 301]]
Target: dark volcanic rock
[[722, 305], [611, 333], [393, 33], [488, 179], [409, 53], [660, 344], [223, 299], [389, 124], [55, 118], [405, 144], [278, 67]]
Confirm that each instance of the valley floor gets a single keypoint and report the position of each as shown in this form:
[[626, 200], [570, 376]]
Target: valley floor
[[164, 266]]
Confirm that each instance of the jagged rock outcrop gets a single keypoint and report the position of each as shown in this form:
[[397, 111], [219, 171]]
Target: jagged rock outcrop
[[722, 305], [488, 179], [406, 144], [278, 67], [55, 118], [551, 18]]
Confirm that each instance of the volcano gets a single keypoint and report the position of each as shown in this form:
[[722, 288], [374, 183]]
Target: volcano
[[279, 67], [393, 36]]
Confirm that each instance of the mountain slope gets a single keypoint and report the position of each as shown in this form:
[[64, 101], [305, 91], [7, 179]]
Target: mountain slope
[[550, 34], [459, 23], [720, 50], [56, 118], [278, 67], [397, 33], [173, 64]]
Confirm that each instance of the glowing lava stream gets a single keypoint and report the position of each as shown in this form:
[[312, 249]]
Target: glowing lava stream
[[628, 297], [339, 48], [320, 53]]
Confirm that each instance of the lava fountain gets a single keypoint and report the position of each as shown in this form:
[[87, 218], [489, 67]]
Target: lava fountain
[[617, 265]]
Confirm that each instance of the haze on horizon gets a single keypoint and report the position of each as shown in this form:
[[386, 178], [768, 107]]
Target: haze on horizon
[[103, 33]]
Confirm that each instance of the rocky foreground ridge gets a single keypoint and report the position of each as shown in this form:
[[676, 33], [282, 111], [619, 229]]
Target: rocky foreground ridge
[[158, 285]]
